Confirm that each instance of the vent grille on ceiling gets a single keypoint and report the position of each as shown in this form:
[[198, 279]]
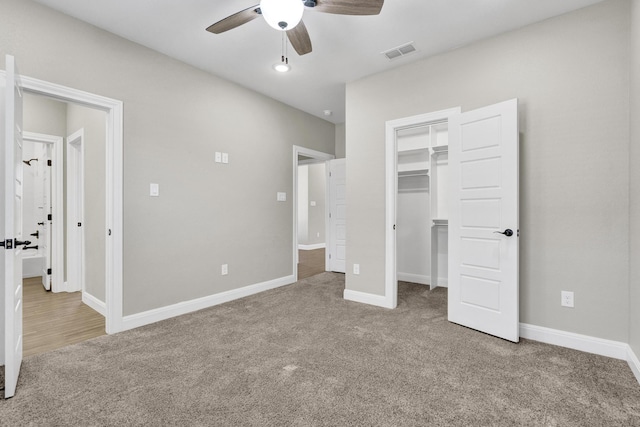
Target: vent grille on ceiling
[[399, 51]]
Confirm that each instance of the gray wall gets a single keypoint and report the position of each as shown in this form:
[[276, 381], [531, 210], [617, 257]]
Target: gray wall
[[634, 301], [317, 184], [175, 118], [303, 204], [94, 124], [571, 75], [44, 115], [311, 187], [340, 141]]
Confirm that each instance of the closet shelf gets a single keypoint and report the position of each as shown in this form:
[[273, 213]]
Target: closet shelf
[[412, 151], [415, 172], [440, 149]]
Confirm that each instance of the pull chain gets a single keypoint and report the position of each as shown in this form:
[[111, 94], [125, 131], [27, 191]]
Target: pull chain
[[285, 49]]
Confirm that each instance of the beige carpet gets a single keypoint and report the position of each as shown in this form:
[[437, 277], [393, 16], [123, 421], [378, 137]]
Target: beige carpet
[[302, 356]]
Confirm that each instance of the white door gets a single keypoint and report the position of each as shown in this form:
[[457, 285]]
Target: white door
[[75, 212], [483, 222], [337, 215], [11, 223], [45, 223]]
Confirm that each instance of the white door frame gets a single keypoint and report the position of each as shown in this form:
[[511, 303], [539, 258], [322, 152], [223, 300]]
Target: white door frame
[[57, 203], [114, 186], [391, 191], [75, 213], [320, 156]]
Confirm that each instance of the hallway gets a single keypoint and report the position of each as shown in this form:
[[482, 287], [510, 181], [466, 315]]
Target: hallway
[[54, 320]]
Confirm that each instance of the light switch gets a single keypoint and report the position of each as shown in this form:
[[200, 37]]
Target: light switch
[[218, 157], [154, 190], [225, 157], [313, 203], [281, 197]]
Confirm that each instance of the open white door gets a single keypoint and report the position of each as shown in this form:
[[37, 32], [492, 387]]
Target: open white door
[[337, 215], [11, 224], [44, 220], [483, 220]]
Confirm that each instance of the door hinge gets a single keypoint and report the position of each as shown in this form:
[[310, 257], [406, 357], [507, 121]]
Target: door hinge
[[329, 256], [49, 217], [329, 174], [49, 163], [329, 214], [48, 271], [79, 224]]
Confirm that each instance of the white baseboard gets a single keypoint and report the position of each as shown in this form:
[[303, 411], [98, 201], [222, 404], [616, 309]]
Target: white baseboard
[[414, 278], [634, 363], [94, 303], [421, 279], [146, 318], [615, 349], [312, 247], [32, 266], [66, 287], [366, 298]]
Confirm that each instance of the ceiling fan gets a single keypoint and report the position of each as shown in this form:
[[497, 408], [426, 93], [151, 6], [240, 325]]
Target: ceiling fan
[[286, 15]]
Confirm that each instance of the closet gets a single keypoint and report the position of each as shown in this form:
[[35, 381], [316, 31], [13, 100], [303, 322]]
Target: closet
[[421, 204]]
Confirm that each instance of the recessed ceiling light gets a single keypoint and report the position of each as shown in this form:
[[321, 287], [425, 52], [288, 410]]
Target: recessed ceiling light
[[281, 67]]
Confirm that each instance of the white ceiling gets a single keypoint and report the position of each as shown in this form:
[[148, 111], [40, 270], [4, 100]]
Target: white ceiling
[[345, 48]]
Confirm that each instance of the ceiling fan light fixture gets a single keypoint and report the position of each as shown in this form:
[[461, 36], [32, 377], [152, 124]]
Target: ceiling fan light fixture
[[281, 67], [282, 15]]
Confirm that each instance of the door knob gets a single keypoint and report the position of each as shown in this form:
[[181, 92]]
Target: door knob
[[508, 232], [17, 243]]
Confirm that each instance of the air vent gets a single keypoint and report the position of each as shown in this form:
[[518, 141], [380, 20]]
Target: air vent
[[399, 51]]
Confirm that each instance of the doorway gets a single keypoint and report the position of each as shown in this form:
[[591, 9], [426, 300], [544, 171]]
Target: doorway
[[112, 203], [44, 170], [310, 212], [416, 172], [74, 309], [481, 154]]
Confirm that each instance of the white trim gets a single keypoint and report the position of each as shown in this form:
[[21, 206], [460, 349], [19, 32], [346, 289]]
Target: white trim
[[312, 247], [633, 362], [615, 349], [367, 298], [320, 157], [391, 191], [114, 186], [94, 303], [57, 204], [414, 278], [75, 212], [167, 312]]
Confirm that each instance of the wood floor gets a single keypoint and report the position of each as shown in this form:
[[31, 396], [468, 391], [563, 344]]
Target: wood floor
[[310, 263], [54, 320]]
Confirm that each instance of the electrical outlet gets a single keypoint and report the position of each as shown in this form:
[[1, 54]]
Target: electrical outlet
[[356, 268], [218, 157], [225, 269], [566, 299]]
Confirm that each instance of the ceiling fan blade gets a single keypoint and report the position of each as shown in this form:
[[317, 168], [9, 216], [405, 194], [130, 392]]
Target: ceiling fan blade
[[299, 38], [349, 7], [235, 20]]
